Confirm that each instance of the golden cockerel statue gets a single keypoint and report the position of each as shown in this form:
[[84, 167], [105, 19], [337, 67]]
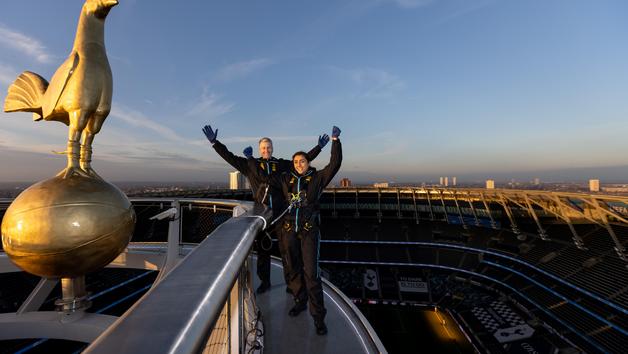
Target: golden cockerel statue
[[79, 93]]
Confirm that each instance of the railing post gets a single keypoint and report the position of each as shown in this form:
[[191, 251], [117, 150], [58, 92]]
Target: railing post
[[235, 301], [334, 213], [442, 202], [357, 211], [464, 226], [429, 202], [577, 240], [416, 211], [475, 215], [619, 248], [542, 232], [488, 211], [174, 240], [513, 224], [379, 205], [398, 205]]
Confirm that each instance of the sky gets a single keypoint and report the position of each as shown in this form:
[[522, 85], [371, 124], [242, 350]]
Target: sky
[[420, 88]]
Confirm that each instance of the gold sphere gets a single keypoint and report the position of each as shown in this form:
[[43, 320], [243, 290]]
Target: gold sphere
[[67, 227]]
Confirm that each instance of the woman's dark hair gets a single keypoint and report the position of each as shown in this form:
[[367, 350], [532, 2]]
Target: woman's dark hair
[[303, 153]]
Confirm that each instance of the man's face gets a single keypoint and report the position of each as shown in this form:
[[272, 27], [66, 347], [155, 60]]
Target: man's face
[[301, 164], [265, 149]]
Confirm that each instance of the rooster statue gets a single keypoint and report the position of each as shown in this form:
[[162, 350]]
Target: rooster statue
[[79, 93]]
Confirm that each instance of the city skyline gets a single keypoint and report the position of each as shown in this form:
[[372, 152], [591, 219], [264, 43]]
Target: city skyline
[[420, 88]]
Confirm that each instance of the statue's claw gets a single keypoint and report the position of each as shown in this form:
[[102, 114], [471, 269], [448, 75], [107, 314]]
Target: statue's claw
[[91, 173], [72, 171]]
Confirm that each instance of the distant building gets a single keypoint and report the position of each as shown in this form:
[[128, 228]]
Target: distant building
[[594, 185], [441, 181], [345, 183], [380, 185], [537, 181], [490, 184], [446, 181], [237, 180], [453, 181]]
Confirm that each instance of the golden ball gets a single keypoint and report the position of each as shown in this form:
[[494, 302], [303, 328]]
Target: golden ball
[[66, 227]]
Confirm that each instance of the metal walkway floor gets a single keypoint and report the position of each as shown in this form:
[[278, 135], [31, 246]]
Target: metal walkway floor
[[285, 334]]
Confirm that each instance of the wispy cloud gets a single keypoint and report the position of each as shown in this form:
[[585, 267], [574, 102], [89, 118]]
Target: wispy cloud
[[211, 105], [147, 153], [468, 7], [28, 45], [253, 140], [410, 4], [138, 119], [244, 139], [372, 82], [241, 69], [7, 74], [21, 141]]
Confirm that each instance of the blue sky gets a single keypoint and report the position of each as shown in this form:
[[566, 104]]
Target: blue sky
[[420, 88]]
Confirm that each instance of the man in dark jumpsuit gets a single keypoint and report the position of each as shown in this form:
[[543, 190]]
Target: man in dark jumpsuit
[[300, 235], [266, 165]]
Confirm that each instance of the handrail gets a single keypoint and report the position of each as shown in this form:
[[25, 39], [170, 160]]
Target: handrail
[[176, 316], [366, 333]]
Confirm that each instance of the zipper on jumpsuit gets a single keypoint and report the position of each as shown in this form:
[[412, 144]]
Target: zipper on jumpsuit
[[270, 197], [297, 216]]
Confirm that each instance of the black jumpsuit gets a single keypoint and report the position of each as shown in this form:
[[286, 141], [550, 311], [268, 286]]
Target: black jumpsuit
[[274, 198], [300, 234]]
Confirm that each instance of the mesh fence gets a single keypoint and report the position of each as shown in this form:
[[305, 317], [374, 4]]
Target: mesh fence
[[198, 221], [220, 337], [218, 342]]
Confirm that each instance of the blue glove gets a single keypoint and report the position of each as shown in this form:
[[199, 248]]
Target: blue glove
[[210, 134], [248, 152], [323, 140], [335, 132]]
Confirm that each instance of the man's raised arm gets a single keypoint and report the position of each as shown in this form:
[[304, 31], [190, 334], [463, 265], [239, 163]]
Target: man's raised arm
[[238, 162]]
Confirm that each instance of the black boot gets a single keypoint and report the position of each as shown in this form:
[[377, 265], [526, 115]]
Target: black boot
[[263, 287], [321, 328], [299, 306]]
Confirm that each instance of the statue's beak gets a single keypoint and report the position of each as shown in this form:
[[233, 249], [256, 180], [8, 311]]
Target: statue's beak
[[111, 3]]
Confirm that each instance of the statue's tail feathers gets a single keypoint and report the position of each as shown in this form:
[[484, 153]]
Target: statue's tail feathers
[[25, 94]]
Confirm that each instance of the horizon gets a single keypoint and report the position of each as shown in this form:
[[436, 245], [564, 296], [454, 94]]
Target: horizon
[[420, 88]]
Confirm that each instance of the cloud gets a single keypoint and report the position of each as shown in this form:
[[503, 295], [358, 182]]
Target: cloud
[[211, 106], [242, 69], [7, 74], [138, 119], [163, 150], [245, 139], [147, 153], [23, 43], [38, 142], [373, 83], [410, 4]]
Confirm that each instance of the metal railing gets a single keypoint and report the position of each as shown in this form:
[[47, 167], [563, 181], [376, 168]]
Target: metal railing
[[198, 305]]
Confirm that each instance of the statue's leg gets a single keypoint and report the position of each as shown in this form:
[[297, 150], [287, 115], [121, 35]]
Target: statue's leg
[[78, 121], [92, 128]]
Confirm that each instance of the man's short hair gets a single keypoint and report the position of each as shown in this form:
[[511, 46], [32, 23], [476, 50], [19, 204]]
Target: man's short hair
[[265, 139], [301, 153]]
